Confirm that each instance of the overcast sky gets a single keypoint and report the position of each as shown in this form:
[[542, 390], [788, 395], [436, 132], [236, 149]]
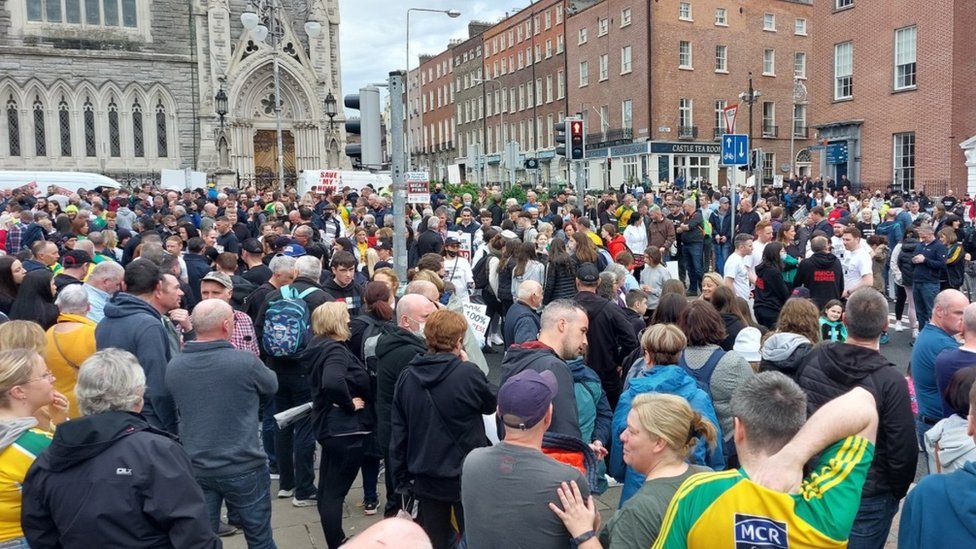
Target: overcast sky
[[373, 33]]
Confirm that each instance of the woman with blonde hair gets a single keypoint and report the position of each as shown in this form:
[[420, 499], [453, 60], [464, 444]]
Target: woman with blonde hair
[[661, 433], [797, 331], [710, 282], [22, 334], [657, 371], [342, 413], [26, 385]]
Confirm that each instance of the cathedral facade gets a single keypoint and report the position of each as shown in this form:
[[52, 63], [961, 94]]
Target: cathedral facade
[[127, 87]]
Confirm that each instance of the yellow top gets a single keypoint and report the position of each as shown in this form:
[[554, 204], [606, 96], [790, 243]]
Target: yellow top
[[69, 343], [15, 460]]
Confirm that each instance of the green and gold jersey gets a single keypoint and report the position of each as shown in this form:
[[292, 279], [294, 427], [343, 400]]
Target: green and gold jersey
[[726, 510]]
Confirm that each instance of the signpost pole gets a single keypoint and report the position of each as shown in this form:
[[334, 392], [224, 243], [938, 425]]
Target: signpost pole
[[397, 161]]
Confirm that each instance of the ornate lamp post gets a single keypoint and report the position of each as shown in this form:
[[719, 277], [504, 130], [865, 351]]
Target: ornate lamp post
[[331, 108], [799, 98]]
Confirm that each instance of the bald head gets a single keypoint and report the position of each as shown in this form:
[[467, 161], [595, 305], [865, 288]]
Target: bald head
[[389, 533], [947, 311], [413, 306], [213, 319], [969, 322], [530, 293], [425, 288]]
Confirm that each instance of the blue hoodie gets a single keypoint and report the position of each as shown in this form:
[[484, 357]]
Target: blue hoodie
[[941, 511], [133, 325], [672, 380]]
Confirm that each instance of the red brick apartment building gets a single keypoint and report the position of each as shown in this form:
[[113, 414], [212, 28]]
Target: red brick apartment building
[[524, 68], [651, 80], [437, 121], [894, 83]]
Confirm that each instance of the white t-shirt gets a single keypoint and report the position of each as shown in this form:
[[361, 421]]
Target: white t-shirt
[[737, 268], [459, 273], [856, 264], [757, 251]]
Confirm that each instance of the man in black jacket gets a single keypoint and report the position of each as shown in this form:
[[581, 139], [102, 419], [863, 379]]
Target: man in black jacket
[[610, 336], [692, 235], [394, 350], [821, 273], [144, 485], [834, 369], [430, 241]]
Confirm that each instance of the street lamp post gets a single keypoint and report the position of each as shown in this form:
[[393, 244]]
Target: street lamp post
[[750, 98], [799, 97], [453, 14], [331, 108], [501, 122], [253, 21]]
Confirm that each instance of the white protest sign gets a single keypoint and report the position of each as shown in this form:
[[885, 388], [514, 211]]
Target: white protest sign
[[475, 313], [418, 187]]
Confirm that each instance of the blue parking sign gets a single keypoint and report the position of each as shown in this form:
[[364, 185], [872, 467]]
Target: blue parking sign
[[735, 149]]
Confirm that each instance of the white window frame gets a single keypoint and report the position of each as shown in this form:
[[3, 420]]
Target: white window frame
[[686, 57], [722, 59], [581, 36], [584, 74], [721, 17], [720, 105], [843, 4], [604, 65], [560, 84], [686, 105], [627, 106], [897, 171], [768, 118], [843, 69], [603, 26], [769, 62], [684, 11], [799, 121], [625, 17], [906, 58], [560, 44], [800, 26], [800, 67], [626, 60], [769, 22]]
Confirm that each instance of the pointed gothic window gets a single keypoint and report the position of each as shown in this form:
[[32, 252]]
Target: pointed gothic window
[[13, 126], [91, 145], [138, 139], [64, 123], [162, 149], [114, 140], [40, 135]]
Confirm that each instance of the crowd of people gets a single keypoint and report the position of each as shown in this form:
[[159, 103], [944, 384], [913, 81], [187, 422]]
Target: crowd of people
[[717, 355]]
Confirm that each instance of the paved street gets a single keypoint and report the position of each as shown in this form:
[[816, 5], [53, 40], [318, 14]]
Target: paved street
[[296, 528]]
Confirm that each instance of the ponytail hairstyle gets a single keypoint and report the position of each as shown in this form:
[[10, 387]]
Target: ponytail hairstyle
[[376, 295], [671, 418]]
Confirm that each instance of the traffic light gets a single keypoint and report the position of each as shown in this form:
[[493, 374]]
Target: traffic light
[[559, 128], [577, 143], [367, 126]]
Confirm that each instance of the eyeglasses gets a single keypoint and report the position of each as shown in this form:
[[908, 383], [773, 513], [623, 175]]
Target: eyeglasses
[[48, 376]]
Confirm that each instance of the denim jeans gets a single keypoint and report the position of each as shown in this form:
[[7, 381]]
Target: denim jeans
[[15, 543], [295, 444], [248, 497], [691, 256], [722, 252], [873, 522], [341, 460], [924, 294], [268, 429]]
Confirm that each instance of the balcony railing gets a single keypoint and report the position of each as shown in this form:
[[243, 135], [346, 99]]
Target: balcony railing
[[687, 132], [801, 131], [614, 136], [770, 131]]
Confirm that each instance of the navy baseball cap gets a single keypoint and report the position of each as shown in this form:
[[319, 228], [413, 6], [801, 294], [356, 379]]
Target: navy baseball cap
[[524, 399]]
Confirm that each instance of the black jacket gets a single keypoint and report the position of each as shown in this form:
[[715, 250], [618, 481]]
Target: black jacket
[[111, 480], [696, 230], [521, 324], [197, 267], [560, 282], [746, 223], [722, 226], [427, 444], [905, 265], [336, 377], [831, 370], [733, 325], [822, 274], [429, 242], [610, 338], [351, 295], [536, 356], [394, 350], [771, 290], [289, 365]]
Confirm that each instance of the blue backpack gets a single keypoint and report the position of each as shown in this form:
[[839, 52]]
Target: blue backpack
[[286, 323]]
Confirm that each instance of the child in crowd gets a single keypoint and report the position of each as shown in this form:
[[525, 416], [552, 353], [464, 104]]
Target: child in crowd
[[831, 327]]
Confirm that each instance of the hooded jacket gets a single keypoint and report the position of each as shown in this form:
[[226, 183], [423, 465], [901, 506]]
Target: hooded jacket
[[822, 274], [111, 480], [610, 336], [197, 267], [521, 324], [771, 290], [394, 350], [124, 217], [290, 364], [908, 249], [534, 355], [940, 511], [594, 424], [672, 380], [351, 295], [956, 447], [336, 377], [784, 352], [436, 420], [132, 324], [834, 369]]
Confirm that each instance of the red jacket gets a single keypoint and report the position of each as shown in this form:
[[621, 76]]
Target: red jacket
[[616, 245]]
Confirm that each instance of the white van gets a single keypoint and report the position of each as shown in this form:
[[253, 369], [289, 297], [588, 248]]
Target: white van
[[321, 181], [69, 181]]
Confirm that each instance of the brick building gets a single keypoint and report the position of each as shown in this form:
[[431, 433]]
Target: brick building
[[469, 101], [437, 114], [651, 79], [525, 55], [896, 86]]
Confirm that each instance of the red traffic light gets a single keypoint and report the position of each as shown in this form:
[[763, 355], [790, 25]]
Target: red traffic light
[[577, 128]]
